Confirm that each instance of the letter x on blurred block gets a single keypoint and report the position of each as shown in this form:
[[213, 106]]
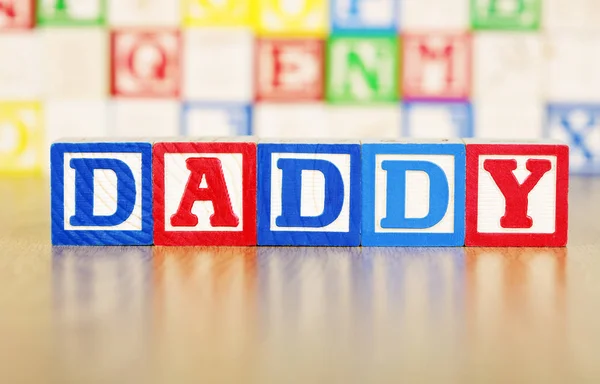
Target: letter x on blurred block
[[309, 194], [517, 194], [101, 193], [205, 193]]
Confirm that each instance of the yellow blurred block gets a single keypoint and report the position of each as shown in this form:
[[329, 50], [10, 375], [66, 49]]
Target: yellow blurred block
[[217, 13], [21, 137], [291, 17]]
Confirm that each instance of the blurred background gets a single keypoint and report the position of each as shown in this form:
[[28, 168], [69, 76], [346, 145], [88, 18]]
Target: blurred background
[[508, 69]]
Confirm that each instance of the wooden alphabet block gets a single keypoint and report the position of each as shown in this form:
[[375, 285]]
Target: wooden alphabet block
[[517, 194], [20, 75], [413, 193], [101, 193], [21, 137], [16, 14], [129, 13], [364, 15], [506, 14], [289, 69], [429, 120], [291, 120], [217, 13], [205, 193], [71, 13], [216, 119], [364, 121], [436, 66], [308, 194], [144, 118], [291, 17], [145, 63]]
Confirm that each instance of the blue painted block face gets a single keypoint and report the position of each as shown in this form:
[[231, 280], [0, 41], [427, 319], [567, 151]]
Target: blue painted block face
[[364, 15], [216, 119], [428, 120], [309, 194], [413, 194], [579, 126], [101, 193]]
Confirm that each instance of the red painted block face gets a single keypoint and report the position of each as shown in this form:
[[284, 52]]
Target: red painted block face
[[517, 194], [16, 14], [204, 193], [436, 66], [289, 69], [145, 63]]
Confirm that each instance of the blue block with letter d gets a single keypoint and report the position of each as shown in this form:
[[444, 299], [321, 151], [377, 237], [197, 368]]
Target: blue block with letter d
[[101, 193], [308, 194], [413, 193]]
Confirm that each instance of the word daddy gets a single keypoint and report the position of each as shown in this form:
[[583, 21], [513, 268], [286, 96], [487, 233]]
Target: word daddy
[[244, 192]]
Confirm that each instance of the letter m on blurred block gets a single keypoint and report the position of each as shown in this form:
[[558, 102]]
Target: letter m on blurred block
[[506, 14], [16, 14], [437, 66]]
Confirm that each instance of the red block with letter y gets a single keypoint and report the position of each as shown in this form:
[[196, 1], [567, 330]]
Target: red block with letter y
[[204, 193], [517, 194]]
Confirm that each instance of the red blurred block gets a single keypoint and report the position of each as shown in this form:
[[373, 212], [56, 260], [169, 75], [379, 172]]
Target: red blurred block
[[204, 193], [436, 66], [145, 63], [16, 14], [289, 69], [517, 194]]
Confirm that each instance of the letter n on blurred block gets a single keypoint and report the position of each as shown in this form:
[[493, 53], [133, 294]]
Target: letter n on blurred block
[[21, 137]]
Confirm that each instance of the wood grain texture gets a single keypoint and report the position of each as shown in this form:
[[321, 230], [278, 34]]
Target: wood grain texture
[[297, 315]]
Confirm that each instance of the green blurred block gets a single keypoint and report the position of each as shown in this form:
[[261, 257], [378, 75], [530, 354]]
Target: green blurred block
[[362, 69], [506, 14], [71, 12]]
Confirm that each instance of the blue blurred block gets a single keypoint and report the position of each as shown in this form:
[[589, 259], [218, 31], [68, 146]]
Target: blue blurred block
[[101, 193], [308, 194], [364, 16], [579, 126], [413, 193], [437, 119], [216, 119]]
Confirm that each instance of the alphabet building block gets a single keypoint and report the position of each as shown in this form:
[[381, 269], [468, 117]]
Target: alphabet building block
[[436, 66], [308, 194], [216, 119], [145, 63], [428, 120], [413, 193], [128, 13], [289, 69], [517, 194], [71, 13], [101, 193], [291, 17], [205, 193], [506, 14], [21, 137], [364, 15], [16, 14], [217, 13]]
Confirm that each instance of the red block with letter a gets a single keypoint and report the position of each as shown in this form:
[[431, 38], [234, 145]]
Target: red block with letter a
[[436, 66], [204, 193], [145, 63], [517, 194], [16, 14], [289, 69]]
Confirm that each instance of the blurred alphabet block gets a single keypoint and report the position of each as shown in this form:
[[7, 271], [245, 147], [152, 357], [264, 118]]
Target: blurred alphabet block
[[578, 125], [20, 77], [309, 194], [362, 69], [21, 137], [291, 17], [506, 14], [380, 121], [144, 118], [364, 15], [145, 63], [437, 120], [413, 193], [216, 119], [16, 14], [289, 69], [218, 65], [291, 120], [436, 66], [143, 13], [71, 13], [101, 193], [217, 13], [508, 120], [205, 193], [517, 194], [421, 15]]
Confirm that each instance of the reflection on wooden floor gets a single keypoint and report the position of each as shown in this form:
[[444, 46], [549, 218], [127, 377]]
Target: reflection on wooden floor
[[343, 314]]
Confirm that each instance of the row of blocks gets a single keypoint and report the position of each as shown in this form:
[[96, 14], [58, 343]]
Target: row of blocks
[[243, 191]]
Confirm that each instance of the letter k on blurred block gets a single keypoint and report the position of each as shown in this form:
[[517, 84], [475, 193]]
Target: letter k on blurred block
[[517, 194], [413, 193]]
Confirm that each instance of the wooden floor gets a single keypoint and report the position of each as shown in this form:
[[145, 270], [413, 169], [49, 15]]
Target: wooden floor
[[293, 315]]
